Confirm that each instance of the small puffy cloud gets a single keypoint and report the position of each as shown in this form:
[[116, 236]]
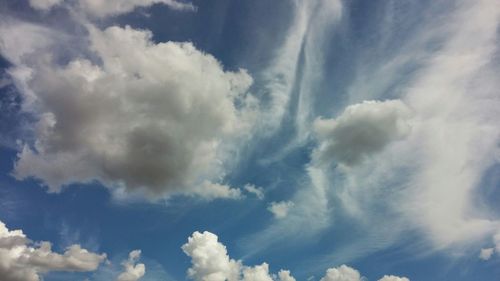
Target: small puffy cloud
[[209, 258], [284, 275], [158, 118], [360, 131], [341, 273], [280, 209], [257, 273], [393, 278], [22, 260], [257, 191], [486, 253], [133, 271]]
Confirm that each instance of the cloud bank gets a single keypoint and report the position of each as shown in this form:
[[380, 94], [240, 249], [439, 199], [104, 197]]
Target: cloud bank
[[211, 262], [23, 260]]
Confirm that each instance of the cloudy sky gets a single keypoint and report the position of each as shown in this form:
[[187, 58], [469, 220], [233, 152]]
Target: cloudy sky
[[249, 140]]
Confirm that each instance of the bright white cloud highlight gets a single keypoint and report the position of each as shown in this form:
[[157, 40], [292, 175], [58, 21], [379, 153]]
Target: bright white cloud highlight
[[133, 271], [151, 117], [393, 278], [342, 273], [209, 258], [280, 209], [360, 131], [22, 260]]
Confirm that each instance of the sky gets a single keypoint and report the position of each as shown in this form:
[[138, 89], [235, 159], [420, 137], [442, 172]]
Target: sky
[[249, 140]]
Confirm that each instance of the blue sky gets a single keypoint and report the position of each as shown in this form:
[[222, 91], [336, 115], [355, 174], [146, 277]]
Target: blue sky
[[249, 140]]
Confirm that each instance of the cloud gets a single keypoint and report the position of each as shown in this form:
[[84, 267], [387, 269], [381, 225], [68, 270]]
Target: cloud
[[22, 260], [209, 258], [44, 5], [393, 278], [284, 275], [133, 270], [360, 131], [280, 209], [342, 273], [155, 118], [211, 262], [486, 253], [257, 191], [106, 8]]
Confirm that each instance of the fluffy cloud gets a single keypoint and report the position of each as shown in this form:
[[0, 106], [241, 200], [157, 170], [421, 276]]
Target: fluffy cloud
[[209, 258], [393, 278], [150, 117], [280, 209], [361, 130], [22, 260], [104, 8], [133, 270], [342, 273], [211, 262], [486, 253]]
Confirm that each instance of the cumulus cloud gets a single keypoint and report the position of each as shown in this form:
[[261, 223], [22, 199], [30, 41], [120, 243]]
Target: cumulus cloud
[[211, 262], [209, 258], [486, 253], [342, 273], [133, 270], [393, 278], [149, 117], [257, 191], [22, 260], [280, 209], [360, 131], [105, 8]]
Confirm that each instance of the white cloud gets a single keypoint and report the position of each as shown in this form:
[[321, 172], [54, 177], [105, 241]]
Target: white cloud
[[360, 131], [342, 273], [280, 209], [257, 273], [393, 278], [209, 258], [106, 8], [486, 253], [133, 270], [284, 275], [152, 117], [211, 262], [210, 190], [257, 191], [22, 260], [44, 5]]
